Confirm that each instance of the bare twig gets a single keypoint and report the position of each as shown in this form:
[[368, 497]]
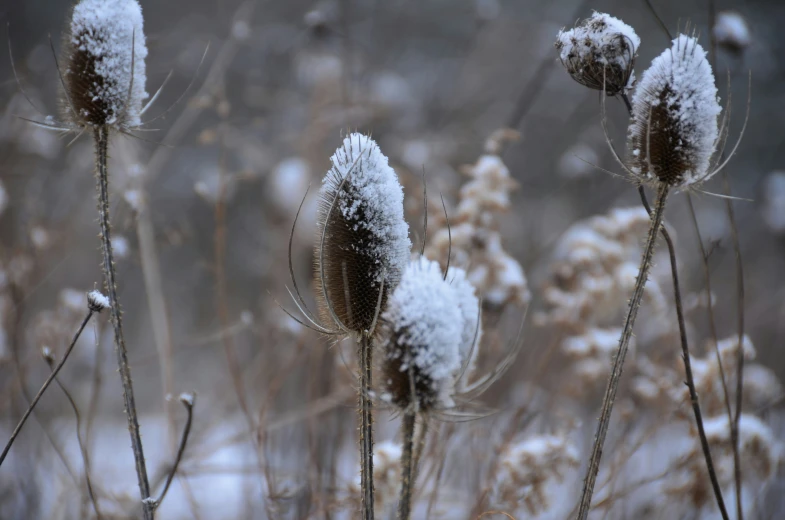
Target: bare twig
[[101, 135], [50, 360], [188, 400], [44, 387], [365, 358], [685, 350], [618, 362]]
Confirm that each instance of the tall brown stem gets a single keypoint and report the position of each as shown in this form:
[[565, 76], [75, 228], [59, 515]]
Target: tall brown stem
[[101, 135], [407, 466], [365, 357], [618, 362]]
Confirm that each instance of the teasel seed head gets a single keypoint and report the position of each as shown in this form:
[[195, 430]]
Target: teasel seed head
[[104, 76], [673, 132], [421, 337], [363, 240], [600, 53]]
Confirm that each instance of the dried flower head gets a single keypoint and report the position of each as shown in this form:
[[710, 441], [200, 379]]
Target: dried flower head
[[421, 339], [600, 53], [673, 133], [363, 242], [104, 77], [97, 302]]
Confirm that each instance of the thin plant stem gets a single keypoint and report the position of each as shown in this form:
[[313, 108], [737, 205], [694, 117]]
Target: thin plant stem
[[365, 357], [82, 448], [419, 446], [685, 351], [46, 384], [101, 135], [188, 402], [618, 362], [408, 473]]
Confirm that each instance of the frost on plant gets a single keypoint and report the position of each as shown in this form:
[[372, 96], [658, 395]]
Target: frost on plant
[[673, 132], [422, 339], [363, 240], [599, 53], [105, 64], [97, 301], [469, 305]]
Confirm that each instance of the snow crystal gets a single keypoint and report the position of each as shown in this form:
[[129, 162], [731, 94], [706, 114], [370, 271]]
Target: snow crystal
[[469, 305], [682, 79], [372, 199], [731, 29], [96, 300], [424, 314], [111, 32]]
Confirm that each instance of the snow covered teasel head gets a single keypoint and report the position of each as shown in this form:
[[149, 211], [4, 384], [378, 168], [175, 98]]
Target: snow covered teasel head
[[104, 76], [673, 133], [600, 53], [421, 337], [363, 240], [469, 305]]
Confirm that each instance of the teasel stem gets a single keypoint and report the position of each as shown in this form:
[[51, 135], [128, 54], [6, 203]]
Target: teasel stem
[[365, 357], [46, 384], [408, 473], [618, 362], [101, 134], [685, 350]]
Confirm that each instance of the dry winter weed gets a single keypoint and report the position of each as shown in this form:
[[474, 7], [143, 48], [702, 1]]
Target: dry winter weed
[[367, 259]]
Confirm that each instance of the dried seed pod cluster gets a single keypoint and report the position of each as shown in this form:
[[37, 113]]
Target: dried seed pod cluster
[[599, 53], [104, 77], [426, 337], [673, 132], [363, 240]]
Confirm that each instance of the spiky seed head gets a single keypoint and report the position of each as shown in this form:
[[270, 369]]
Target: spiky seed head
[[421, 337], [469, 305], [104, 64], [600, 53], [673, 132], [362, 244], [96, 301]]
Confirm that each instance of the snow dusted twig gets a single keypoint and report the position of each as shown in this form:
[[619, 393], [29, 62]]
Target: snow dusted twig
[[46, 384]]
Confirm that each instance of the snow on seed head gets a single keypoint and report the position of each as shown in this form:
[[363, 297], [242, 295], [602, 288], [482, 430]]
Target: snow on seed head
[[673, 132], [469, 305], [422, 333], [599, 53], [363, 239], [105, 55]]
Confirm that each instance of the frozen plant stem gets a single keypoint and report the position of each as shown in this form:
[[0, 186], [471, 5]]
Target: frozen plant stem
[[46, 384], [365, 355], [101, 134], [685, 351], [407, 466], [618, 361]]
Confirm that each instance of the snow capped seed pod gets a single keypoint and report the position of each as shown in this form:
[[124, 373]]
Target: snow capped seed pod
[[600, 53], [104, 72], [469, 305], [421, 338], [363, 240], [673, 132]]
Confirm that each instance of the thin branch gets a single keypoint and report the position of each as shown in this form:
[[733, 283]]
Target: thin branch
[[44, 387], [618, 362], [102, 147], [685, 350], [188, 400], [364, 356], [50, 360]]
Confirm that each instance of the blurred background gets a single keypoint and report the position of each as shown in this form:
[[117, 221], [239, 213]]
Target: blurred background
[[203, 208]]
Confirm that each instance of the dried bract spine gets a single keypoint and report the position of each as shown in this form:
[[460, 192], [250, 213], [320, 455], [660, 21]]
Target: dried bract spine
[[469, 305], [673, 133], [104, 77], [600, 53], [363, 242], [421, 338]]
